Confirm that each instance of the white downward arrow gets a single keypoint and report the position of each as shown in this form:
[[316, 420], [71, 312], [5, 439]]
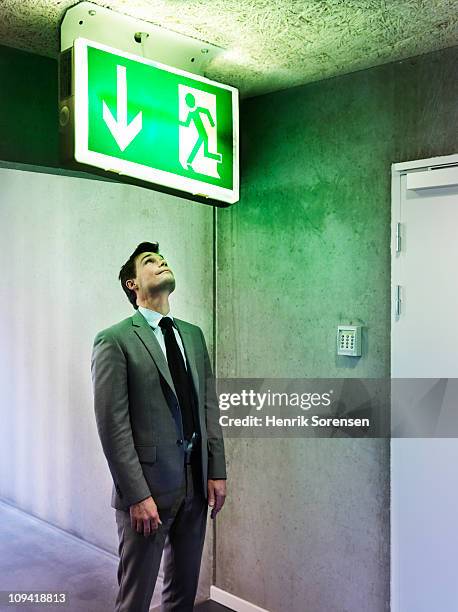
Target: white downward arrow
[[122, 132]]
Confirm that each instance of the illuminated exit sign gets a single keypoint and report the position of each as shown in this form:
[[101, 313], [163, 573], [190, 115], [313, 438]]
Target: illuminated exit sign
[[155, 123]]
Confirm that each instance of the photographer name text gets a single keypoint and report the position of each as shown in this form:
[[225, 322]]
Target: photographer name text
[[298, 421]]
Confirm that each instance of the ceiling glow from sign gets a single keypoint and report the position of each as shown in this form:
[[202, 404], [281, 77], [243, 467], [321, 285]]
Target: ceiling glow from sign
[[159, 124]]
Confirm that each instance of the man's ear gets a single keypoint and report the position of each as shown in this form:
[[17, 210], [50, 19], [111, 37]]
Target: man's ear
[[131, 284]]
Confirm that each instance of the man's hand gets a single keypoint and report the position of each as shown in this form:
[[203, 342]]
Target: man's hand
[[216, 495], [144, 516]]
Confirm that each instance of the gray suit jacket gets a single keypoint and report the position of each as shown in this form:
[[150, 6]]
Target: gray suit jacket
[[138, 416]]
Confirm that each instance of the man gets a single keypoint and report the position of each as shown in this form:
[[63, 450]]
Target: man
[[157, 416]]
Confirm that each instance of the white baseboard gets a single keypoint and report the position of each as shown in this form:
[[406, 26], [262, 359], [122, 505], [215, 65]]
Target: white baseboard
[[232, 601]]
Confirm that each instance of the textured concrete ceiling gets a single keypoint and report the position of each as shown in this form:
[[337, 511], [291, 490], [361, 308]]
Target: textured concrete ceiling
[[271, 44]]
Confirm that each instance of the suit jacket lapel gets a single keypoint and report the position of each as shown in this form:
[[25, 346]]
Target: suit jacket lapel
[[146, 335], [188, 344]]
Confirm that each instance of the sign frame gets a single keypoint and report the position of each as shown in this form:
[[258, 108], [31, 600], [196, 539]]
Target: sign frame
[[155, 176]]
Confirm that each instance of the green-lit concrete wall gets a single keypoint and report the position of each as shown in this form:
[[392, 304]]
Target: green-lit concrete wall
[[306, 524], [28, 108]]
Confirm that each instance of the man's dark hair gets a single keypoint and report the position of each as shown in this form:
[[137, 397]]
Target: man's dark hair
[[128, 269]]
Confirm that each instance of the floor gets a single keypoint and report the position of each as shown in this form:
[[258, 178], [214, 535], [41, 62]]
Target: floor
[[37, 556]]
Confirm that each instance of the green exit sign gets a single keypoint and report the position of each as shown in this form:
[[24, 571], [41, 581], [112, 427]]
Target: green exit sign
[[156, 123]]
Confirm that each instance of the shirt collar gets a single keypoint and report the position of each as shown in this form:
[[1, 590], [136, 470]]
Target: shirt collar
[[152, 316]]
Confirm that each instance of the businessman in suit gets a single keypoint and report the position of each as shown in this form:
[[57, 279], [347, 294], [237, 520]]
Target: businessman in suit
[[158, 420]]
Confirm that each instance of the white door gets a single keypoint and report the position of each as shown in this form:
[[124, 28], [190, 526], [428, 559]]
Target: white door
[[424, 345]]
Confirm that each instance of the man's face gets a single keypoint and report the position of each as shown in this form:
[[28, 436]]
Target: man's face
[[153, 274]]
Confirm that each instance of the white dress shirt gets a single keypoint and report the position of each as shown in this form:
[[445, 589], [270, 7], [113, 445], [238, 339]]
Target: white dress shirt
[[153, 317]]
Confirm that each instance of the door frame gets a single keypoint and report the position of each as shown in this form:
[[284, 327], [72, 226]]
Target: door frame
[[398, 169], [402, 168]]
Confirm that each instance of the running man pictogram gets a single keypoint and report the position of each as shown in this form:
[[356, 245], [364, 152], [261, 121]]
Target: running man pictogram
[[195, 116]]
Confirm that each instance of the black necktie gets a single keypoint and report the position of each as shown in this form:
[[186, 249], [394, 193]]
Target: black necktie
[[181, 378]]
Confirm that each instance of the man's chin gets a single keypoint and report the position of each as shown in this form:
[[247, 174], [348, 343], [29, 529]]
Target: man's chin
[[168, 282]]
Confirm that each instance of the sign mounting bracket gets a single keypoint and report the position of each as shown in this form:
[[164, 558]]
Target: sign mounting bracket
[[102, 25]]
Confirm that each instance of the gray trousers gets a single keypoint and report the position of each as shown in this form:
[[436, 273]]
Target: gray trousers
[[180, 537]]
